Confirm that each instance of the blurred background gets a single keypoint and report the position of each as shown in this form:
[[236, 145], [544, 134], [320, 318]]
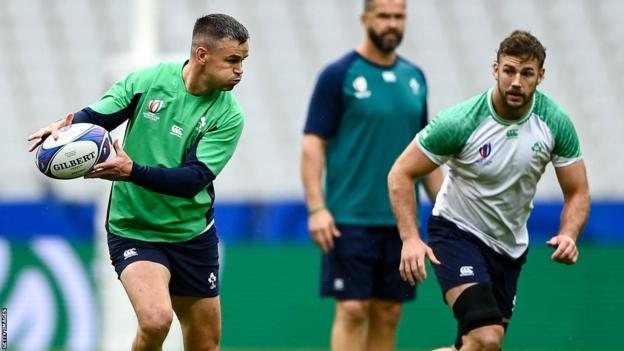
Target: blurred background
[[58, 56]]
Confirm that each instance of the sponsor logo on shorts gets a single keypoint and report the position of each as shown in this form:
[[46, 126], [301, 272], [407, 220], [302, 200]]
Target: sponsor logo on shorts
[[339, 284], [130, 253], [212, 279], [466, 271]]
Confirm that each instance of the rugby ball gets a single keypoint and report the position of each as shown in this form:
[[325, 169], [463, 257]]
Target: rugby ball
[[78, 148]]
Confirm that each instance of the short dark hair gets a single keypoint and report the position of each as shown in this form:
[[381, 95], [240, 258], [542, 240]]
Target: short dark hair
[[211, 28], [522, 44], [369, 4]]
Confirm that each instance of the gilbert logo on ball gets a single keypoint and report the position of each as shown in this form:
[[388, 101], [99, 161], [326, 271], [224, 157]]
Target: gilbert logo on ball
[[78, 148]]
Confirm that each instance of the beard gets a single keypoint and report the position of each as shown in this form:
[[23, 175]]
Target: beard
[[383, 41], [516, 105]]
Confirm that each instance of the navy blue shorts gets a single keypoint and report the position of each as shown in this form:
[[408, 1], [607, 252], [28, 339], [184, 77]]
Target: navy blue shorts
[[466, 259], [364, 264], [193, 264]]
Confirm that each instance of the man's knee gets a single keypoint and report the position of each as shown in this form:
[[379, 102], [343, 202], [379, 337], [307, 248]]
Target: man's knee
[[476, 308], [352, 311], [155, 322], [385, 313], [202, 337], [486, 338]]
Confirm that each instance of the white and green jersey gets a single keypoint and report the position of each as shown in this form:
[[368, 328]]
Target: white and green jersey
[[495, 164]]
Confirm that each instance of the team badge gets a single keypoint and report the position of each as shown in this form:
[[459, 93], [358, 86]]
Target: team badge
[[361, 88], [413, 83]]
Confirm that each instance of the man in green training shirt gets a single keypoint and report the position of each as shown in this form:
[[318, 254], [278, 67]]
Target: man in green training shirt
[[497, 146], [183, 127], [366, 108]]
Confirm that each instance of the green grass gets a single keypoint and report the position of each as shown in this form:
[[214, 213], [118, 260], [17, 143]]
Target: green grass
[[320, 349], [400, 349], [560, 308]]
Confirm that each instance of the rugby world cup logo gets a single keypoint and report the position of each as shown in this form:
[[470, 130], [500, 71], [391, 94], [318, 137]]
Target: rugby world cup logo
[[484, 152], [155, 106], [361, 88]]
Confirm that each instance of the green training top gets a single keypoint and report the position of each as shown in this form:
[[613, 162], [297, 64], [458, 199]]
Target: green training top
[[168, 125]]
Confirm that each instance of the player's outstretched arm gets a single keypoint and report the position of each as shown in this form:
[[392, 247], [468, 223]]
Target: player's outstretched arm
[[574, 185], [411, 164], [52, 129]]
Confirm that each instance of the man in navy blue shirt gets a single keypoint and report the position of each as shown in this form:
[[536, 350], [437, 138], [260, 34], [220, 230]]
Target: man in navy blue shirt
[[366, 108]]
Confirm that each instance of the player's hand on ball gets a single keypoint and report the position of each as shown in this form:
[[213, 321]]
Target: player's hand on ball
[[118, 168], [323, 229], [52, 128], [412, 267], [565, 249]]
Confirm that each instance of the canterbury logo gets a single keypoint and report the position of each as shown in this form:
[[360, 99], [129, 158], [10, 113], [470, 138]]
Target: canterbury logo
[[466, 271], [155, 105], [130, 253], [176, 130]]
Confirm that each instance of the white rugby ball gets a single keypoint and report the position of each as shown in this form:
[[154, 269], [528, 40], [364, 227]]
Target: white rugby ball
[[78, 148]]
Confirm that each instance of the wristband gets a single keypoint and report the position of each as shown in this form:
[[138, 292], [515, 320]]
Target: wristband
[[316, 209]]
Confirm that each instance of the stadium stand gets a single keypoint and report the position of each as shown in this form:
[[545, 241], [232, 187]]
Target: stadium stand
[[61, 55]]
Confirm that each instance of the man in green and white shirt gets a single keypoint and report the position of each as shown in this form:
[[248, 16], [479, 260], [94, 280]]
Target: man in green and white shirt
[[496, 146]]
